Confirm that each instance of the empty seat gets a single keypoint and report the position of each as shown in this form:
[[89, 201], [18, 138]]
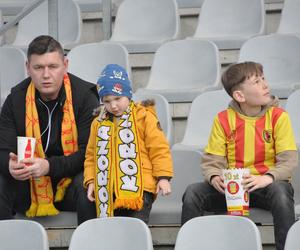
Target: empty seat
[[12, 69], [143, 25], [189, 3], [22, 234], [279, 55], [292, 238], [112, 233], [200, 120], [13, 7], [290, 19], [163, 113], [219, 232], [167, 209], [36, 23], [230, 23], [88, 60], [95, 5], [183, 69], [1, 23]]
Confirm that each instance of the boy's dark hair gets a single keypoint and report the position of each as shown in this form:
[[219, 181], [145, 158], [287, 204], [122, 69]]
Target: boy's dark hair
[[44, 44], [236, 74]]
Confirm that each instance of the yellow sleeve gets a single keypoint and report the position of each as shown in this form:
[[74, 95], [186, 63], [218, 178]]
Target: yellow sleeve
[[217, 140]]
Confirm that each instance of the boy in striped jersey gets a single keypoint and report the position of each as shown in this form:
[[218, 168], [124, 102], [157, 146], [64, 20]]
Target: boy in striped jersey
[[253, 133]]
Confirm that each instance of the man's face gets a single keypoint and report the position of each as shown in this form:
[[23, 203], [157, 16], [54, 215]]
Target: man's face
[[47, 73]]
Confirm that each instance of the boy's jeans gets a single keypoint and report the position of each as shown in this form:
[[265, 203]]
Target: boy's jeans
[[277, 197]]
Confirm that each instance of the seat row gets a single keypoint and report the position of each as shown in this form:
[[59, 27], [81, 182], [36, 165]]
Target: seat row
[[143, 25]]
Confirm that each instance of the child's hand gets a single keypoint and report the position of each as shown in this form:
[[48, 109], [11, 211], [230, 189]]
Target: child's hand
[[218, 183], [253, 182], [164, 186], [90, 192]]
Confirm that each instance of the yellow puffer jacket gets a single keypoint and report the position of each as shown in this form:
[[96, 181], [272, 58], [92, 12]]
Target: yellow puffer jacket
[[154, 148]]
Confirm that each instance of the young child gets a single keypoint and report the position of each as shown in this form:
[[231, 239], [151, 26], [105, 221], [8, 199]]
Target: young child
[[128, 159], [253, 133]]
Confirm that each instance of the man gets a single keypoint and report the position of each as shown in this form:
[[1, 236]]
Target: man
[[54, 107]]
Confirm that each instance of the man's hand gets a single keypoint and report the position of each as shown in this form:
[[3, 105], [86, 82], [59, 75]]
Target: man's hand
[[36, 166], [91, 192], [17, 170], [164, 187], [253, 182], [218, 183]]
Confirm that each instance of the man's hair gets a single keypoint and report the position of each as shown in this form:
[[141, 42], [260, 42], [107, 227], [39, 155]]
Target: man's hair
[[44, 44], [236, 74]]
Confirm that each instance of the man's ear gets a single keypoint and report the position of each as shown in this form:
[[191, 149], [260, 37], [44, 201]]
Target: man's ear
[[238, 96]]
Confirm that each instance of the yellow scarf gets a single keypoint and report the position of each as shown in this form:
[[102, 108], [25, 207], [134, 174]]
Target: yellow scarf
[[41, 188], [118, 171]]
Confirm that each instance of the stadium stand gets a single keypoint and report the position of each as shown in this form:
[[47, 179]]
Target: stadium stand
[[292, 239], [163, 113], [95, 56], [219, 232], [230, 23], [23, 234], [12, 69], [112, 233], [142, 25], [69, 26], [183, 69]]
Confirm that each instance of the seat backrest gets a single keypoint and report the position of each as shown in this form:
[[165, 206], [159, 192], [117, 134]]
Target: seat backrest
[[185, 64], [290, 18], [230, 18], [36, 23], [163, 112], [88, 60], [216, 232], [292, 238], [141, 20], [112, 233], [23, 234], [200, 120], [1, 23], [279, 55], [12, 69], [189, 3]]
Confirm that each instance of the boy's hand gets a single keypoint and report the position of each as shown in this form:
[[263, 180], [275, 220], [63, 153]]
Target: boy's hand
[[218, 183], [164, 187], [90, 192], [253, 182]]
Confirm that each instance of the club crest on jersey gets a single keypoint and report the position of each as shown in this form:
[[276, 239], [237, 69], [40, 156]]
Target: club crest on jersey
[[117, 88], [267, 134], [232, 136]]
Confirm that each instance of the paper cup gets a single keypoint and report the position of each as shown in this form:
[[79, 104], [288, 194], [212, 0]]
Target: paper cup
[[237, 199], [26, 146]]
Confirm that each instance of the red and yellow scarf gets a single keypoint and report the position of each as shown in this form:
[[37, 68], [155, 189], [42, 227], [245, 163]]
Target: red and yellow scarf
[[41, 188], [118, 170]]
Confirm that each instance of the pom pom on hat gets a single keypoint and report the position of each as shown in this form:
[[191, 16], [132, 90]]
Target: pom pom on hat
[[114, 81]]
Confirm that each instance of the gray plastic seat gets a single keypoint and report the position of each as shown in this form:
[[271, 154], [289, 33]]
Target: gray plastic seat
[[143, 25], [1, 23], [200, 119], [183, 69], [290, 18], [12, 69], [230, 23], [22, 234], [112, 233], [167, 210], [13, 7], [189, 3], [292, 238], [279, 55], [95, 5], [163, 113], [219, 232], [88, 60], [36, 23]]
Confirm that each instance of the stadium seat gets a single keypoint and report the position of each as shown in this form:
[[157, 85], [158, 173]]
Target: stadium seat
[[95, 5], [88, 60], [167, 210], [292, 238], [23, 234], [200, 119], [290, 19], [36, 23], [13, 7], [279, 55], [12, 69], [183, 69], [143, 25], [112, 233], [189, 3], [163, 113], [219, 232], [1, 23], [230, 23]]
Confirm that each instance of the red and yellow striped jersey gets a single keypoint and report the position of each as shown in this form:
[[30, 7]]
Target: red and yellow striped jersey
[[251, 142]]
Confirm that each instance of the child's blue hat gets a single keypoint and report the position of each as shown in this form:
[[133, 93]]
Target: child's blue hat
[[114, 81]]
